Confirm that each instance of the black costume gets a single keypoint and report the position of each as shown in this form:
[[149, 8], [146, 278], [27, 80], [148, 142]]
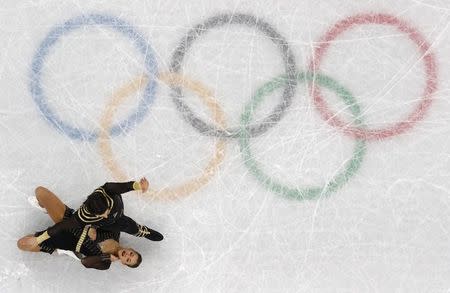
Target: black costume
[[76, 240], [116, 220]]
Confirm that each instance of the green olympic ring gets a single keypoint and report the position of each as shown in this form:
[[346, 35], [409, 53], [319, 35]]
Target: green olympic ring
[[301, 193]]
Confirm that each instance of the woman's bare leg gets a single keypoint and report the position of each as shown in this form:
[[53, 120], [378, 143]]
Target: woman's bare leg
[[27, 244], [55, 209], [49, 201]]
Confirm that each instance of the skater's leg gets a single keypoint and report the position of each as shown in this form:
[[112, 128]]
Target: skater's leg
[[49, 201], [128, 225], [123, 224], [55, 209], [27, 244]]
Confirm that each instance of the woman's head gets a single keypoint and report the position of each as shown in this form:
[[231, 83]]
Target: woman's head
[[129, 257]]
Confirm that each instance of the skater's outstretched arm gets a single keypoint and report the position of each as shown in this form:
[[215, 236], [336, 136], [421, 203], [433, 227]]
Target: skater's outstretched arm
[[124, 187]]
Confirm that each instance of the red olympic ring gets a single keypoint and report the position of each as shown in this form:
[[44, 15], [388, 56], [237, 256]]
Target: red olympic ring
[[430, 69]]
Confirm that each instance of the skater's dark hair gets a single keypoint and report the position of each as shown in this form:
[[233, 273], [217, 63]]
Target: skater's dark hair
[[96, 204], [138, 261]]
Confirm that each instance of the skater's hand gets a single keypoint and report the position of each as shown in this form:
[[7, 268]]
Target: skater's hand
[[144, 184], [114, 258], [92, 233]]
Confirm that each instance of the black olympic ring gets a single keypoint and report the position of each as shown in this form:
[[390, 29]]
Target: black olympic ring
[[273, 35]]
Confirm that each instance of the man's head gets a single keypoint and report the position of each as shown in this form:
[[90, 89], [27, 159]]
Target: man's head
[[129, 257], [97, 204]]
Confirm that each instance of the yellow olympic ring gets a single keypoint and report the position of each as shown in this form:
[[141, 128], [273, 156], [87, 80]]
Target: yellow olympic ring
[[171, 79]]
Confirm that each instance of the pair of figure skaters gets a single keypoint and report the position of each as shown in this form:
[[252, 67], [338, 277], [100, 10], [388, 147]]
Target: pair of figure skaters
[[91, 232]]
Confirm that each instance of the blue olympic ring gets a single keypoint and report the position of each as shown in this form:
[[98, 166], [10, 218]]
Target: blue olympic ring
[[74, 23]]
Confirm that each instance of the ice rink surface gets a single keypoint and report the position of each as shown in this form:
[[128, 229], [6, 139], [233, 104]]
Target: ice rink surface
[[290, 145]]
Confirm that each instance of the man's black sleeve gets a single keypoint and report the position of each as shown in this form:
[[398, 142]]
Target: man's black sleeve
[[118, 187]]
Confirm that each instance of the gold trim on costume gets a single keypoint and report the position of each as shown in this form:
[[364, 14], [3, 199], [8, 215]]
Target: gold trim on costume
[[85, 216], [82, 237], [137, 185]]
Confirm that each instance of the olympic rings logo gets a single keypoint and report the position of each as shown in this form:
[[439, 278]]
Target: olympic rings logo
[[288, 81]]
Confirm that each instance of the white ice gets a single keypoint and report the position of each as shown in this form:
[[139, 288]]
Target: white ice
[[386, 230]]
